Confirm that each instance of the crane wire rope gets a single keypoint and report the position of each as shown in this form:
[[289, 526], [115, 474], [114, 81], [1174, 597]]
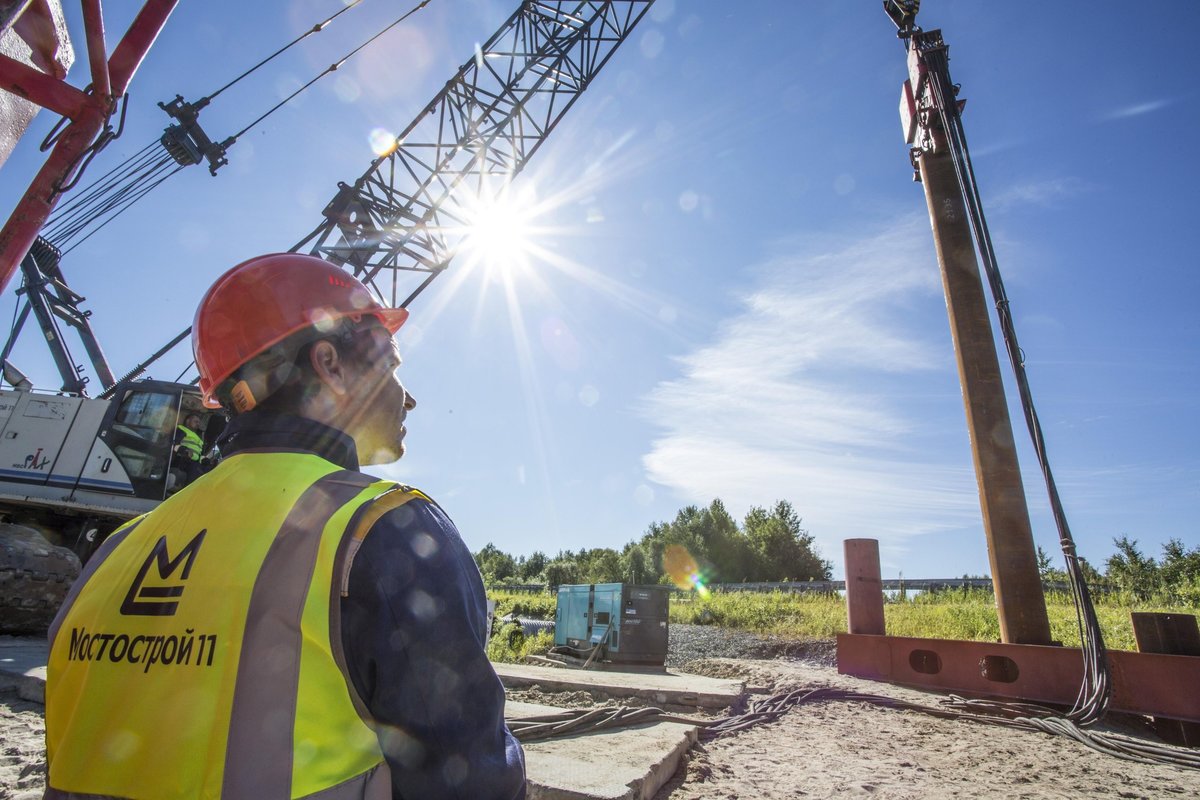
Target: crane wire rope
[[330, 69], [320, 26], [121, 187], [109, 199]]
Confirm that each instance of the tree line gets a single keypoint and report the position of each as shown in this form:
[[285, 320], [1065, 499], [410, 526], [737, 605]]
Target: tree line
[[770, 545], [700, 545], [1175, 578]]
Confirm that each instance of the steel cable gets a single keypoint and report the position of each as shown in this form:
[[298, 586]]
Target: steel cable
[[331, 68], [147, 175], [132, 198], [320, 26], [128, 182], [97, 187]]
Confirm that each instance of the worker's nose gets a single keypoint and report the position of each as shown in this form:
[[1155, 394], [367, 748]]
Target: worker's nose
[[410, 402]]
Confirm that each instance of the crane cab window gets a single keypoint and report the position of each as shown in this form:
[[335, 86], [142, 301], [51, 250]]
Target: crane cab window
[[142, 432]]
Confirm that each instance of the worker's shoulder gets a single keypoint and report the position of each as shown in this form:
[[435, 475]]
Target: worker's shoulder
[[400, 507]]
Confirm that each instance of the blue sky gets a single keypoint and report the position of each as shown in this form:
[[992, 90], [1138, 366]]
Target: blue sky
[[730, 288]]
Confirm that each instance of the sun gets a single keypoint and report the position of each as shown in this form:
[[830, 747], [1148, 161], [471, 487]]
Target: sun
[[499, 231]]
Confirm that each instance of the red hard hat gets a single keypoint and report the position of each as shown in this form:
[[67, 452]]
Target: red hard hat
[[263, 301]]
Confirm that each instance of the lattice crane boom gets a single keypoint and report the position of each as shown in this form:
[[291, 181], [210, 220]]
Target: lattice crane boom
[[480, 130]]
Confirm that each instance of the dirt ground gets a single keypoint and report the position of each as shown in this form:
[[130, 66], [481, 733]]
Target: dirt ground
[[862, 750], [824, 750], [22, 748]]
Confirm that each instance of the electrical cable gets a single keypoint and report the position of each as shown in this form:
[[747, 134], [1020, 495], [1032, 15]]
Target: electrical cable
[[102, 184], [1021, 716]]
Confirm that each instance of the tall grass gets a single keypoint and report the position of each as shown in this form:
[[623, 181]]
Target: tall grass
[[953, 614]]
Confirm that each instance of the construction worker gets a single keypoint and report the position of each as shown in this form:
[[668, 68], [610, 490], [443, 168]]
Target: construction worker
[[188, 442], [189, 447], [286, 626]]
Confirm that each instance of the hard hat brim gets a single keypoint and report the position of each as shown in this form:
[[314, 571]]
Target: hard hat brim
[[392, 318]]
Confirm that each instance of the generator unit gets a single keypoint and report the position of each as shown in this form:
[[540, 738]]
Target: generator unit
[[613, 622]]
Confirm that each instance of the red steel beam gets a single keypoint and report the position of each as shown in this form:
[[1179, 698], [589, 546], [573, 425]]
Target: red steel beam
[[38, 87], [87, 120], [93, 24], [129, 52], [1143, 683]]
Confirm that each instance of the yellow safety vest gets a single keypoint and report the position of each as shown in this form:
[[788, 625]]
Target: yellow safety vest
[[199, 654], [191, 443]]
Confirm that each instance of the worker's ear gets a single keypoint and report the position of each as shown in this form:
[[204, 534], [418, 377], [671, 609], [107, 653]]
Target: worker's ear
[[329, 367]]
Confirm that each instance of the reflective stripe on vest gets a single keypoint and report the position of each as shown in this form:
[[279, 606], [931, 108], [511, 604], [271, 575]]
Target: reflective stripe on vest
[[191, 442], [239, 569]]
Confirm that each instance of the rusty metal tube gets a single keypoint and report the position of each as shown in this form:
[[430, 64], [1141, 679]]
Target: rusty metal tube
[[864, 589], [1019, 598]]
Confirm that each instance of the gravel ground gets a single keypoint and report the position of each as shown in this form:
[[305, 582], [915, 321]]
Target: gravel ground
[[688, 643]]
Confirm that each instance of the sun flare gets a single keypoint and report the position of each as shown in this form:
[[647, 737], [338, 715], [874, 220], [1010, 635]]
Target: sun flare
[[499, 231]]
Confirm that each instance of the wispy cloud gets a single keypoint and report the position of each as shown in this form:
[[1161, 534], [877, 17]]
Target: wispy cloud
[[1043, 193], [1138, 109], [800, 396]]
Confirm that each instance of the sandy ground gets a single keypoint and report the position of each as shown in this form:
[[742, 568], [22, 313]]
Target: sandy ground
[[22, 749], [825, 750], [861, 750]]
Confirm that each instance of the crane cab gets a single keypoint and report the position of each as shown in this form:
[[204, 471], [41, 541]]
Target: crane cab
[[76, 467]]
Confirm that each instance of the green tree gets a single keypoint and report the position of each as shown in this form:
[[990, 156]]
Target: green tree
[[562, 571], [1180, 572], [635, 566], [495, 565], [784, 550], [729, 550], [1179, 565], [1132, 571], [532, 567], [601, 565]]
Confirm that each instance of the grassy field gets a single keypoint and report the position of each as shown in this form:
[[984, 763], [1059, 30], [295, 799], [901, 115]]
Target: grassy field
[[954, 614]]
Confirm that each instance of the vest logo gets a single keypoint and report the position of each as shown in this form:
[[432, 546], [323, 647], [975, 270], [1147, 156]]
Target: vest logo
[[152, 600]]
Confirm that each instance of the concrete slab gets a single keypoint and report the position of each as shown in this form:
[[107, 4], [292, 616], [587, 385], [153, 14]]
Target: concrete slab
[[626, 764], [23, 664], [669, 689]]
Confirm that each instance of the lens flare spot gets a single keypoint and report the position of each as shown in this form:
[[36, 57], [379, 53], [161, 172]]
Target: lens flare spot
[[382, 141], [347, 89], [683, 570], [322, 320]]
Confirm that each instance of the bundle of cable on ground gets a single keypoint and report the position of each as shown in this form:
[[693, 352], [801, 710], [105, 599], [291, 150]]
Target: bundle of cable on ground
[[528, 729], [1022, 716]]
